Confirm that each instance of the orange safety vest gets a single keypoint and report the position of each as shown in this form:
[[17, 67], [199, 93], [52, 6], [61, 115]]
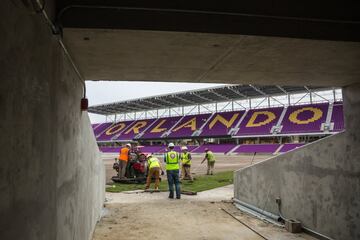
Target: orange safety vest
[[124, 154]]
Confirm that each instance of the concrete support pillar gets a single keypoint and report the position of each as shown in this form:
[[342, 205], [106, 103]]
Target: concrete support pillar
[[51, 176]]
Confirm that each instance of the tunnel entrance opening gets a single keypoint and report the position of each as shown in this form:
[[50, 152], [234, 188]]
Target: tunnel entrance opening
[[51, 170], [228, 115]]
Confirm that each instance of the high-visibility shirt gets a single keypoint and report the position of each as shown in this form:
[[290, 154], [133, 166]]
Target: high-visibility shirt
[[210, 156], [172, 160], [124, 154], [185, 158], [153, 162]]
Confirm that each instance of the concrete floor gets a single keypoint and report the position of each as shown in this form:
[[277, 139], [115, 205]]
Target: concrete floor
[[152, 216]]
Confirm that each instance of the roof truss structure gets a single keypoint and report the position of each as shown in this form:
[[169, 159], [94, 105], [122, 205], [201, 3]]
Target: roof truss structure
[[199, 97]]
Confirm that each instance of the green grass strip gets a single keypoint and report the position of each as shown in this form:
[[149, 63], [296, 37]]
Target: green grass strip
[[202, 183]]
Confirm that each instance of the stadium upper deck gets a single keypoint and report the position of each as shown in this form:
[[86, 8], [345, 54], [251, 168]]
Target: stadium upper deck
[[202, 96]]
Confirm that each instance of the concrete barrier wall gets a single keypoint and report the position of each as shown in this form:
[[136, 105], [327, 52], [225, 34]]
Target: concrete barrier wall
[[319, 184], [51, 176]]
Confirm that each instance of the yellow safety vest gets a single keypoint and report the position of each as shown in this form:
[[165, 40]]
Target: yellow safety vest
[[210, 156], [153, 163], [185, 158], [172, 160]]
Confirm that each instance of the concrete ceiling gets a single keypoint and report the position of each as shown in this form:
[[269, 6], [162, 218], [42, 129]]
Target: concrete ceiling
[[140, 55]]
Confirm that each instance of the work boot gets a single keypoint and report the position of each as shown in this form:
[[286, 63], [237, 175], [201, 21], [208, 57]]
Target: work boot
[[178, 197]]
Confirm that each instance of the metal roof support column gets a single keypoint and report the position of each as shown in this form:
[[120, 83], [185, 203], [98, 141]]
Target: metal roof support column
[[288, 96], [334, 95], [157, 113], [311, 100], [216, 107], [199, 108], [182, 110], [268, 102], [232, 105], [169, 112], [249, 103]]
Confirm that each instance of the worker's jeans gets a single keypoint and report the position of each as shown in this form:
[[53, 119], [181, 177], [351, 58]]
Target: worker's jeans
[[173, 178]]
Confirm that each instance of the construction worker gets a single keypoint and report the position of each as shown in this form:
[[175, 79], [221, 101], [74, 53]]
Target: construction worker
[[185, 158], [123, 160], [172, 159], [209, 156], [154, 167]]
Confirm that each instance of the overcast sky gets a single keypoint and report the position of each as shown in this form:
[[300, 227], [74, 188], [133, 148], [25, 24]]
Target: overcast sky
[[109, 91]]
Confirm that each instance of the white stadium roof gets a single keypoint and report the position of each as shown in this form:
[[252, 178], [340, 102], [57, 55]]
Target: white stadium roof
[[197, 97]]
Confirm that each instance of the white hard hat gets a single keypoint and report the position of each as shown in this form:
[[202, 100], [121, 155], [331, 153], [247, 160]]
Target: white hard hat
[[184, 148], [128, 145], [171, 145]]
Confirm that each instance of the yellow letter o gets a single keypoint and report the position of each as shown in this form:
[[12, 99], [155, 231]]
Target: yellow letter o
[[317, 114]]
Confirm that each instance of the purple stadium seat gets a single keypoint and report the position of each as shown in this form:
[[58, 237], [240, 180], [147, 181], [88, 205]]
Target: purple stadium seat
[[290, 146], [114, 129], [152, 149], [159, 127], [178, 149], [300, 119], [304, 118], [338, 117], [100, 128], [110, 149], [216, 148], [184, 128], [259, 148], [259, 121], [136, 128], [216, 126]]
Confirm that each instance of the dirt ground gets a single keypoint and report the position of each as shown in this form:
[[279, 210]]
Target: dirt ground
[[223, 163], [139, 215], [153, 216]]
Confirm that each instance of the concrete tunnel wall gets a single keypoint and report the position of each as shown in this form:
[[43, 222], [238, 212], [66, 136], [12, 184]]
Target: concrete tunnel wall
[[51, 176], [318, 184]]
